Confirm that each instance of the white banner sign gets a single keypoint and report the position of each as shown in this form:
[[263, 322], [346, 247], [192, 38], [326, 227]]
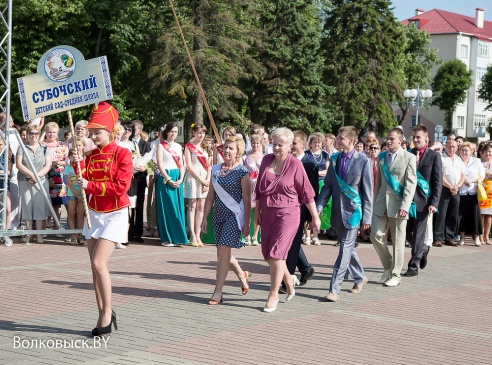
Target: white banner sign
[[64, 81]]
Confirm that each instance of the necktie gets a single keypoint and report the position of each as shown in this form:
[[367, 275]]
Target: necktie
[[418, 157], [391, 156], [343, 167]]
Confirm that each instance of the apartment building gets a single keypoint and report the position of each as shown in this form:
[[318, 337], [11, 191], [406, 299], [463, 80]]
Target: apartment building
[[468, 39]]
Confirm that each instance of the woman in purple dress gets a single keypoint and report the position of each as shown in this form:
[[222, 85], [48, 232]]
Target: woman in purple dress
[[281, 189]]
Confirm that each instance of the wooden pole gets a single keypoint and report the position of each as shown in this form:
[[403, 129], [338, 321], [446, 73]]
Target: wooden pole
[[202, 93], [79, 170]]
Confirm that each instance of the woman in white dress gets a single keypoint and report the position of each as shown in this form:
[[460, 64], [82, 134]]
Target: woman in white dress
[[197, 180], [252, 161]]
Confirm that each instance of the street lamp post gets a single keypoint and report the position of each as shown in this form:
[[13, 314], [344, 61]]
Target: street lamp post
[[418, 98]]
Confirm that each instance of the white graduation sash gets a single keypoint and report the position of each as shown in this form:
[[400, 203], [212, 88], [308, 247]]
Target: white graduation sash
[[229, 202]]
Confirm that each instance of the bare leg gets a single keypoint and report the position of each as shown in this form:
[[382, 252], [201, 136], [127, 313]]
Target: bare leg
[[42, 226], [234, 266], [200, 204], [255, 231], [80, 216], [29, 227], [100, 255], [72, 206], [57, 209], [278, 272], [91, 244], [487, 222], [191, 217], [223, 263]]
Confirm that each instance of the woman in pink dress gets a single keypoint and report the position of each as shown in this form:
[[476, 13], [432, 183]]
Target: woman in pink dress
[[281, 189], [252, 162]]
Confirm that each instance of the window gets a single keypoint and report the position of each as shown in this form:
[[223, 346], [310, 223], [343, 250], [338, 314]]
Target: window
[[398, 118], [464, 51], [478, 100], [461, 122], [483, 49], [479, 120], [480, 73], [415, 23], [414, 120]]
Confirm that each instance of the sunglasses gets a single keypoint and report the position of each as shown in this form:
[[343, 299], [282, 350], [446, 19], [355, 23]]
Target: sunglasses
[[33, 133], [128, 129], [374, 148]]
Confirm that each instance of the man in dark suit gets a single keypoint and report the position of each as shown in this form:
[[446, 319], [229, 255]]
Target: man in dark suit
[[350, 181], [136, 219], [296, 256], [426, 198]]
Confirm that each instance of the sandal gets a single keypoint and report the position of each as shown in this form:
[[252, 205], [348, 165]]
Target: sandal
[[316, 241], [215, 301], [195, 244], [245, 287], [254, 241], [307, 241], [247, 241], [82, 242]]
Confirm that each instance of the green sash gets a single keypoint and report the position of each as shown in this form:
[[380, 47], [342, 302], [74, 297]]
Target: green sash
[[393, 184], [350, 193], [421, 182]]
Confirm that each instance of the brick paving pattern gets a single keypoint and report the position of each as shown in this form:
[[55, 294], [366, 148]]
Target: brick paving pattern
[[160, 295]]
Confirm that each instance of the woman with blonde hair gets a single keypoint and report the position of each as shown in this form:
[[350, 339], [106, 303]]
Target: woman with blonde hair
[[230, 192], [197, 180], [469, 212], [282, 188], [321, 159], [228, 131], [59, 153], [33, 202]]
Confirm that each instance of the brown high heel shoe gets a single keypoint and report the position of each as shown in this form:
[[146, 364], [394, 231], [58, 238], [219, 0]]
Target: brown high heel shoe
[[245, 288], [215, 301]]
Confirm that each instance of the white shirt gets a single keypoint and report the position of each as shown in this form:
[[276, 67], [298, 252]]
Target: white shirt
[[299, 157], [452, 168], [268, 149], [392, 155], [473, 168], [168, 160]]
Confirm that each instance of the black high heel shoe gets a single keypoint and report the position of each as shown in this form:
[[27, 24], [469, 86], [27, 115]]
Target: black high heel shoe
[[98, 331]]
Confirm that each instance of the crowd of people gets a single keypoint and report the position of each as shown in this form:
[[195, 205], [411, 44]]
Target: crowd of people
[[388, 190]]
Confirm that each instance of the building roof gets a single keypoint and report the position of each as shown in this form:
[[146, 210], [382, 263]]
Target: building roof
[[441, 22]]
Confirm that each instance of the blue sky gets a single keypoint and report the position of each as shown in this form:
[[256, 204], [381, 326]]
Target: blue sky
[[404, 9]]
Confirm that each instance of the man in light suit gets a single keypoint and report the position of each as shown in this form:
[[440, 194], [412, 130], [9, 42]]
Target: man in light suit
[[349, 170], [392, 204], [426, 198]]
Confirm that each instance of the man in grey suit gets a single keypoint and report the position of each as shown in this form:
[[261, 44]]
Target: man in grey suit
[[350, 182], [395, 187]]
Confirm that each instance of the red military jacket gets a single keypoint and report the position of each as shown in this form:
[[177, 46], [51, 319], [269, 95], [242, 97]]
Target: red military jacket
[[109, 171]]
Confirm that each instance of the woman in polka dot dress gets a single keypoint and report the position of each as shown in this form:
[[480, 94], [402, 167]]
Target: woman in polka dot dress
[[230, 191]]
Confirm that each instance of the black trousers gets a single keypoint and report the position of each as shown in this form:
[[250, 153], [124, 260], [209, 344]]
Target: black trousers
[[416, 229], [136, 214], [446, 220], [296, 256]]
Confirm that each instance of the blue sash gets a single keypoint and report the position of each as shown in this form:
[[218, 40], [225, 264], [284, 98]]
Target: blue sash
[[350, 193], [422, 183], [393, 184]]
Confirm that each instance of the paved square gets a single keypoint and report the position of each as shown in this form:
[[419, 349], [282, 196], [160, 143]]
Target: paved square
[[160, 294]]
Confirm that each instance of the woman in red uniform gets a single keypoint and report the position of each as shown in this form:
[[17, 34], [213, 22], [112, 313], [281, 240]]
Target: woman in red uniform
[[106, 176]]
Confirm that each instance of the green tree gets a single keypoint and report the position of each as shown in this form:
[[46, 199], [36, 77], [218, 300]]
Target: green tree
[[364, 52], [123, 30], [291, 93], [220, 37], [485, 89], [419, 58], [450, 87]]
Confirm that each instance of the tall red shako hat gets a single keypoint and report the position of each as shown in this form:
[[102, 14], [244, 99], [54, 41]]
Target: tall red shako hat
[[103, 116]]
